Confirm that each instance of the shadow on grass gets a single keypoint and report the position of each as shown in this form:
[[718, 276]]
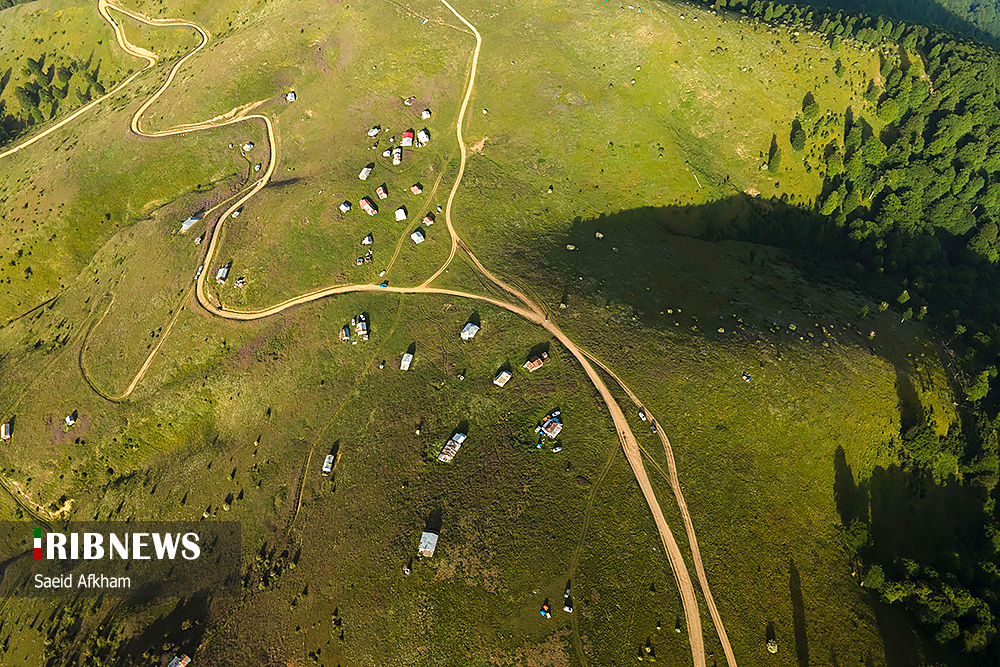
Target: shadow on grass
[[852, 500], [538, 350], [911, 412], [912, 517], [906, 516], [798, 615], [629, 253], [184, 627], [434, 521]]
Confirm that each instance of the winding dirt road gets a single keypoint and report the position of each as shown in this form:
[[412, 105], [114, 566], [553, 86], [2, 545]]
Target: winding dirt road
[[461, 143], [529, 310]]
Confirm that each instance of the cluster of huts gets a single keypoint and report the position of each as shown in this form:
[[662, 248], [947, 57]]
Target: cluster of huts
[[410, 138], [551, 426], [360, 326]]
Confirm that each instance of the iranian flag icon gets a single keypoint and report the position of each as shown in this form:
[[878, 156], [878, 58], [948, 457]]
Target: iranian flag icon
[[38, 543]]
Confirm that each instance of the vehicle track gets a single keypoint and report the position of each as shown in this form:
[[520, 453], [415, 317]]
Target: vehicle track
[[675, 486], [149, 357]]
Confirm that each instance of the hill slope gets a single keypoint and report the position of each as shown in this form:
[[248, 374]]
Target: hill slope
[[596, 132]]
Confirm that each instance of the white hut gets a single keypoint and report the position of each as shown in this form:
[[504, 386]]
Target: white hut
[[451, 448], [223, 273], [401, 214], [469, 331], [417, 237], [428, 543]]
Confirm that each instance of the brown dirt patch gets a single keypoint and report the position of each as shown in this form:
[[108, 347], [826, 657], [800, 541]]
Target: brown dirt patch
[[479, 146], [553, 652], [55, 427]]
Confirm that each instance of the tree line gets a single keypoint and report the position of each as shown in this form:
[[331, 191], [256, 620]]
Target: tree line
[[910, 209]]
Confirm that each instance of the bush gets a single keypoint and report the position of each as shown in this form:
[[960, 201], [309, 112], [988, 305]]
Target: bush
[[810, 108], [831, 203], [798, 136]]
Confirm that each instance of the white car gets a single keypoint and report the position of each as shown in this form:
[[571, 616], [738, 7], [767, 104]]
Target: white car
[[642, 415]]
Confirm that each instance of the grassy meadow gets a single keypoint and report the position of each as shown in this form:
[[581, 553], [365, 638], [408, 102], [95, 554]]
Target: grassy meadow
[[607, 130]]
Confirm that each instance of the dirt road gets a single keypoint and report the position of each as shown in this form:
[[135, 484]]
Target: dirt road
[[461, 143], [675, 486], [149, 357]]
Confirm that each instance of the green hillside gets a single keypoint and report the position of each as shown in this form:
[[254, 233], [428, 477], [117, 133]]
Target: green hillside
[[776, 228]]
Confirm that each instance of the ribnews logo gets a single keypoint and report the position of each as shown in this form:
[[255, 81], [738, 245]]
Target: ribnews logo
[[137, 559], [139, 546]]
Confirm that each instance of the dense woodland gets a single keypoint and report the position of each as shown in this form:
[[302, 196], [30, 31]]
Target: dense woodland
[[910, 210], [976, 18]]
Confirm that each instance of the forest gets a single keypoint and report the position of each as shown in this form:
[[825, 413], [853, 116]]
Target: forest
[[976, 18], [909, 212]]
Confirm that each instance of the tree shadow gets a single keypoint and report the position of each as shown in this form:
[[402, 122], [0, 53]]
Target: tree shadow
[[911, 411], [184, 626], [851, 499], [798, 615], [899, 638], [912, 517]]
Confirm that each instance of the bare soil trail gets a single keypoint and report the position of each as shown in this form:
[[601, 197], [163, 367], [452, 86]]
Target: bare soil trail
[[461, 143], [406, 232], [529, 310], [149, 357], [675, 486]]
